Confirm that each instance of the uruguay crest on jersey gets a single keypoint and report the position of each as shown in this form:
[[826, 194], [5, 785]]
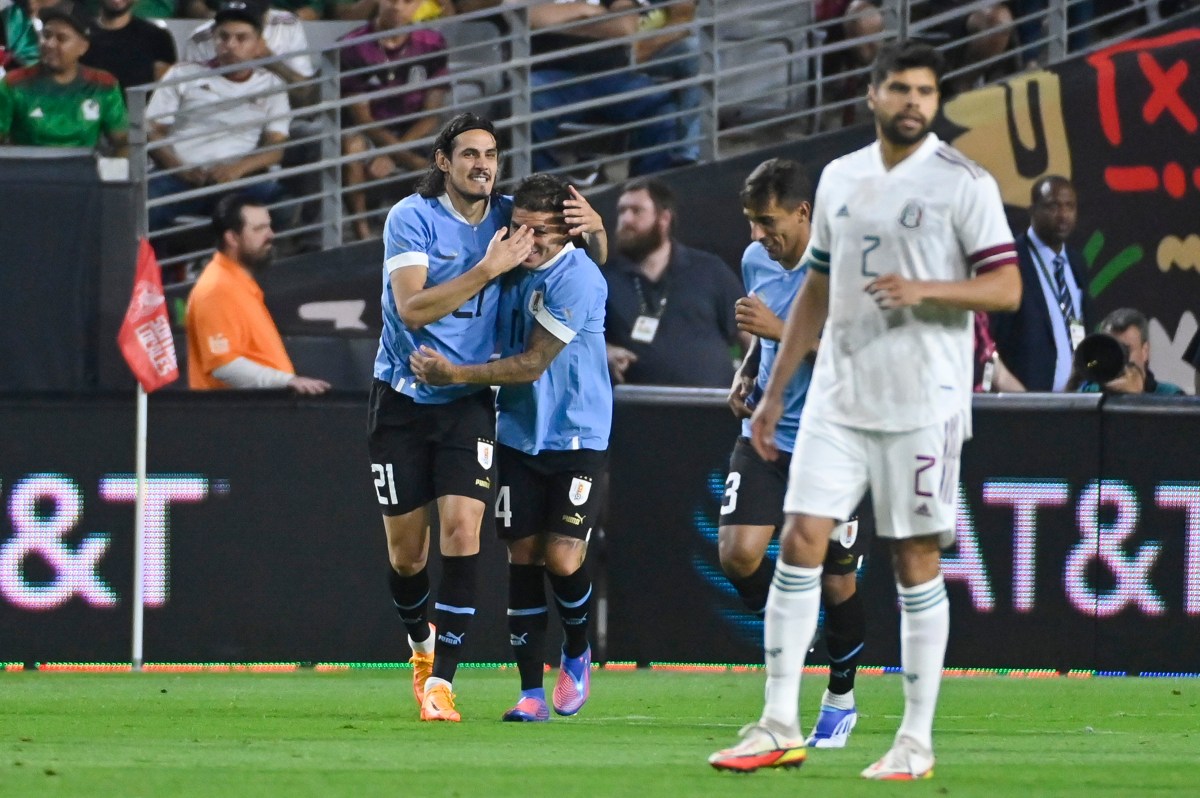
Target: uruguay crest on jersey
[[580, 490], [484, 450]]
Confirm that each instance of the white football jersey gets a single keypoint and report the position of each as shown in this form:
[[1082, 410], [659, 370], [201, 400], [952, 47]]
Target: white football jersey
[[934, 216]]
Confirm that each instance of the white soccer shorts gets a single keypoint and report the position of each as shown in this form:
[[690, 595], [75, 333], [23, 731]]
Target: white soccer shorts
[[913, 476]]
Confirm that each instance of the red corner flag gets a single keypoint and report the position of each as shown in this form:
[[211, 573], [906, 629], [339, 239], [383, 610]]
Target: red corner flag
[[145, 336]]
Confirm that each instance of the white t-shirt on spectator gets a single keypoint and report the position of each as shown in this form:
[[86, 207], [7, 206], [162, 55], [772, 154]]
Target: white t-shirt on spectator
[[215, 119], [283, 33]]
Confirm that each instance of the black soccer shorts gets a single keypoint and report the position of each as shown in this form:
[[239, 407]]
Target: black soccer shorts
[[554, 493], [754, 490], [420, 452]]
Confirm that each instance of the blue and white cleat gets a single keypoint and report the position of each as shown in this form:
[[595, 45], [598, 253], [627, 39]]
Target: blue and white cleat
[[574, 683], [833, 727]]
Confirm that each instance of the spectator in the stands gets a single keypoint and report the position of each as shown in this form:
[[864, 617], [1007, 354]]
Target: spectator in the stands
[[853, 30], [145, 9], [218, 122], [580, 77], [978, 35], [674, 55], [282, 35], [134, 50], [669, 318], [1032, 30], [429, 9], [974, 33], [18, 36], [232, 340], [405, 58], [58, 102], [1132, 329]]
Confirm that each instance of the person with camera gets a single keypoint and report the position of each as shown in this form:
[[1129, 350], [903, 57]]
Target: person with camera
[[1117, 359]]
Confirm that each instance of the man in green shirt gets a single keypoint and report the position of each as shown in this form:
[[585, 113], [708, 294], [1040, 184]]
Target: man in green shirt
[[59, 103]]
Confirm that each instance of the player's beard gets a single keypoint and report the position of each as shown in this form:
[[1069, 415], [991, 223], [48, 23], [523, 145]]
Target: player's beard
[[892, 132], [636, 246]]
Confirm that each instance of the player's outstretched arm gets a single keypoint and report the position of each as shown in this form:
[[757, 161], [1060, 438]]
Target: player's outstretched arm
[[801, 333], [418, 305], [992, 291], [433, 368]]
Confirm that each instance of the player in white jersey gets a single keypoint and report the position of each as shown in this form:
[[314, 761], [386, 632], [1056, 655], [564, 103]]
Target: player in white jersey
[[909, 237]]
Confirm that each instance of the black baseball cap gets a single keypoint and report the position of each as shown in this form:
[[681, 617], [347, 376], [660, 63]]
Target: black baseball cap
[[70, 13], [242, 11]]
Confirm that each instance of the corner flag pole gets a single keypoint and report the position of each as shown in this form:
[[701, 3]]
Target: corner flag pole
[[139, 531], [146, 344]]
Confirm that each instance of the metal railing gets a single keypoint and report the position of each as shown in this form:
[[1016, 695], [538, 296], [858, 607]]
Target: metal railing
[[760, 72]]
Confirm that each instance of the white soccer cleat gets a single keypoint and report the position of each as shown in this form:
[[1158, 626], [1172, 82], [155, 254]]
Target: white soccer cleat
[[907, 761], [760, 747]]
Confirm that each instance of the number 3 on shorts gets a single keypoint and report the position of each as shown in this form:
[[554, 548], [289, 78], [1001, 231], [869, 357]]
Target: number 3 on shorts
[[732, 483], [504, 506]]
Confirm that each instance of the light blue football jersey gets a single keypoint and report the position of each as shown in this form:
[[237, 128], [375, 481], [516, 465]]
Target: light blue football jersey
[[430, 232], [570, 405], [776, 287]]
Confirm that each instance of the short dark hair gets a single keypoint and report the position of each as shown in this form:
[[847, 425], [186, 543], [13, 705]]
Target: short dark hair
[[901, 55], [660, 193], [1054, 181], [784, 180], [541, 193], [227, 216], [1122, 319], [433, 182]]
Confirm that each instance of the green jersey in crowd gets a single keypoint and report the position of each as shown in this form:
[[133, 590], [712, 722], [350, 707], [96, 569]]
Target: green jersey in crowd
[[37, 111]]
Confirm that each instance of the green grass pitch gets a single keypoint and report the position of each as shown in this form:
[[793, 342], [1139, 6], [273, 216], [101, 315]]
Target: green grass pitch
[[644, 734]]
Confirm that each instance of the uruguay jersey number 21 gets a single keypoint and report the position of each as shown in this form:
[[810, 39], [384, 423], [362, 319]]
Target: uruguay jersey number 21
[[467, 314]]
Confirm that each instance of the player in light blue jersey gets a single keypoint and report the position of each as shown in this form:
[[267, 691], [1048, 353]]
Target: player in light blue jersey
[[777, 201], [555, 414], [444, 247]]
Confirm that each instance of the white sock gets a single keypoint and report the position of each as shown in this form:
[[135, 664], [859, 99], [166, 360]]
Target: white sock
[[924, 629], [793, 604], [434, 681], [844, 701], [425, 646]]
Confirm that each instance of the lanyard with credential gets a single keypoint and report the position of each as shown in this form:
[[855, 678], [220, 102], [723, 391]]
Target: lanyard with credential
[[1073, 324], [645, 327]]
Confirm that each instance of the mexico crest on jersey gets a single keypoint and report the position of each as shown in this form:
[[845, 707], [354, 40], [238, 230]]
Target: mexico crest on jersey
[[483, 451], [910, 217], [580, 490]]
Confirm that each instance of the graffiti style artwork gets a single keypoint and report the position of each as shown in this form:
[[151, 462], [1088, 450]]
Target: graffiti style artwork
[[1123, 124]]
